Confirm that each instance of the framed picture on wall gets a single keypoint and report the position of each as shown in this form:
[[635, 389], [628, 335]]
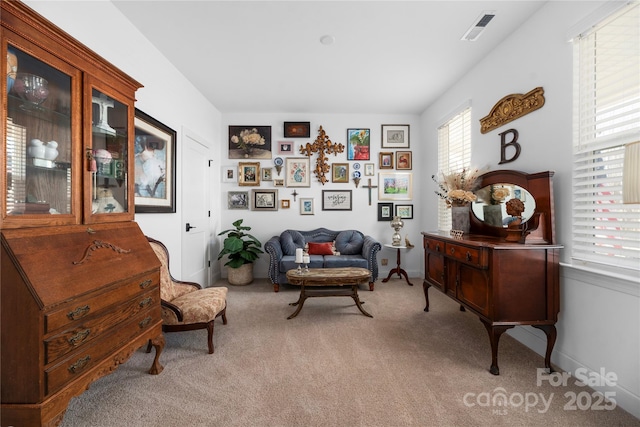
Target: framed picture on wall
[[249, 173], [267, 174], [358, 144], [336, 200], [249, 142], [285, 147], [155, 165], [306, 206], [297, 129], [385, 211], [395, 136], [238, 200], [369, 169], [229, 174], [395, 186], [340, 172], [264, 200], [298, 173], [386, 160], [404, 211], [404, 160]]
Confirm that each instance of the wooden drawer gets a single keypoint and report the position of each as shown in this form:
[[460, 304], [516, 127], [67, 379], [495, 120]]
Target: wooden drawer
[[93, 327], [85, 307], [434, 245], [82, 361], [468, 255]]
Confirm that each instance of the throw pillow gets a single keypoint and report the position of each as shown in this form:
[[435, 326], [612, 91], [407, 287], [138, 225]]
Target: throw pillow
[[349, 242], [290, 240], [320, 248]]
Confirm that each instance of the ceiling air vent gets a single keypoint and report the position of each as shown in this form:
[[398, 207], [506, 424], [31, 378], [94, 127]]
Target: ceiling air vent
[[478, 27]]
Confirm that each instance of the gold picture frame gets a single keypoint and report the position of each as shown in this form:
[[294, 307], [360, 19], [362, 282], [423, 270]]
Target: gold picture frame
[[249, 173], [340, 172]]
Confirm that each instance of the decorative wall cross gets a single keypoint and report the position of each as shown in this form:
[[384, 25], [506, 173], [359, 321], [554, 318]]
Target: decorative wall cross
[[320, 145], [369, 187]]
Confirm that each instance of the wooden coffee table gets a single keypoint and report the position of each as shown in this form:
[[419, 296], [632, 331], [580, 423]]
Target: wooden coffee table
[[318, 277]]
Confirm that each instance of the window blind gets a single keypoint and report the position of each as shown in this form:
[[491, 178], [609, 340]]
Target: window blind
[[606, 117], [454, 154]]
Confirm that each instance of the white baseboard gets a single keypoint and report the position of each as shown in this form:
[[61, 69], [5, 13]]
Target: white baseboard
[[528, 336]]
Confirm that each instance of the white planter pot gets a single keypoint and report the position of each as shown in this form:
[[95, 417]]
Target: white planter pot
[[240, 276]]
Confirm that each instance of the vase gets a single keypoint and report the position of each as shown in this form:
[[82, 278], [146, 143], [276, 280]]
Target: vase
[[460, 218], [492, 215]]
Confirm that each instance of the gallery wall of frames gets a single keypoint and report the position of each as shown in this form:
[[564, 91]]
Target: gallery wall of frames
[[270, 171]]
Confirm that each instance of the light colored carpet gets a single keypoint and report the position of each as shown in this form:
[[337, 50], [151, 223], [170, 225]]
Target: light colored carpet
[[332, 366]]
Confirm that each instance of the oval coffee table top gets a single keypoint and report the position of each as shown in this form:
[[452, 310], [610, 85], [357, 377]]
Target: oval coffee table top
[[329, 276]]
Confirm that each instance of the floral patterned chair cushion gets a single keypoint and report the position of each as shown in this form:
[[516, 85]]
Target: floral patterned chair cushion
[[186, 305]]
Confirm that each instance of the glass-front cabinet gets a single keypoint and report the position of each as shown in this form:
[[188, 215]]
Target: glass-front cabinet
[[107, 198], [65, 139], [41, 128]]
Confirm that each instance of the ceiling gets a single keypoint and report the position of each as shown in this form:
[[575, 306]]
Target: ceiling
[[266, 56]]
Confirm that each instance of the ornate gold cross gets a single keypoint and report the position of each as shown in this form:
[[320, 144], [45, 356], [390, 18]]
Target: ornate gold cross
[[320, 145]]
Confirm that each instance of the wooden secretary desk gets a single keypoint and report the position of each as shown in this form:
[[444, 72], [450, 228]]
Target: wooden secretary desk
[[504, 283], [79, 289]]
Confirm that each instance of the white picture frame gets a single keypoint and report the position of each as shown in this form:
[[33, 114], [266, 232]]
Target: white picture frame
[[306, 206], [230, 174]]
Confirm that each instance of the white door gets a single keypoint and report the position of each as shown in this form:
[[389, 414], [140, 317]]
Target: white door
[[195, 209]]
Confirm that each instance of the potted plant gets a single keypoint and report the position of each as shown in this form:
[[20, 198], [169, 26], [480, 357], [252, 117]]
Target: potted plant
[[242, 250]]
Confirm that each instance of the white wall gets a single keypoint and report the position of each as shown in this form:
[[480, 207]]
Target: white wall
[[167, 95], [362, 217], [599, 321]]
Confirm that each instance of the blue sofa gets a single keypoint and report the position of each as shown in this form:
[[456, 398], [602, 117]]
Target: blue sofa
[[354, 248]]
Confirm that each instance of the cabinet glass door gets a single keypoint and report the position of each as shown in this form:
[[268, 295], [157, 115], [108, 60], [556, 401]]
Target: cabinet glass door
[[38, 141], [108, 158]]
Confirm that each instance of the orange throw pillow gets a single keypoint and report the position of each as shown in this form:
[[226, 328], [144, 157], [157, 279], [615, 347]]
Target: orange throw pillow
[[320, 248]]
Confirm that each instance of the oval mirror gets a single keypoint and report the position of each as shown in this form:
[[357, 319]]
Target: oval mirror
[[491, 209]]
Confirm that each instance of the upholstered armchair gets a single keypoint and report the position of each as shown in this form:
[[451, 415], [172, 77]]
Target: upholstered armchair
[[186, 305]]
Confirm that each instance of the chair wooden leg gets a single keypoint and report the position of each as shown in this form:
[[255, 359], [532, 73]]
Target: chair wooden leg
[[210, 336], [224, 316]]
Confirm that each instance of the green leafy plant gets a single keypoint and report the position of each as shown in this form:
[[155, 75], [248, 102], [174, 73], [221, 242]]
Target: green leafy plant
[[241, 248]]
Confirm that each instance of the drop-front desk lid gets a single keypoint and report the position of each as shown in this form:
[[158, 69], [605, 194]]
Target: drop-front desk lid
[[60, 263]]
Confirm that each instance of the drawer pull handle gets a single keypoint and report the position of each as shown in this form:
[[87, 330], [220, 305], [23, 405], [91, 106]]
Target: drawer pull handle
[[78, 312], [77, 338], [438, 247], [145, 302], [79, 365], [468, 256], [453, 251], [144, 284], [143, 324]]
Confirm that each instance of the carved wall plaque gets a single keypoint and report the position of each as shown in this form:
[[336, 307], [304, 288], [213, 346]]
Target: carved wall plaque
[[512, 107]]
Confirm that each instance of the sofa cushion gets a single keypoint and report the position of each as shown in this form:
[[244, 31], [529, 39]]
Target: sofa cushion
[[336, 261], [349, 242], [290, 240], [320, 248]]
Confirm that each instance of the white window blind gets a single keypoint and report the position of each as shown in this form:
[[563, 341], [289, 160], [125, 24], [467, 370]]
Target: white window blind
[[606, 117], [454, 154]]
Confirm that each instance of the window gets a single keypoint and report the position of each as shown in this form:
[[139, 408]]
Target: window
[[606, 117], [454, 154]]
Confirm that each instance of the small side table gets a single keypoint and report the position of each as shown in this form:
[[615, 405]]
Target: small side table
[[398, 270]]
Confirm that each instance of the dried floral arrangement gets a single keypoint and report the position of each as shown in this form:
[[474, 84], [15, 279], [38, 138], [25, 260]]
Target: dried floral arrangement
[[493, 194], [457, 188]]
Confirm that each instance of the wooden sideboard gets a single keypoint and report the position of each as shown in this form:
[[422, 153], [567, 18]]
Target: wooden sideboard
[[77, 301], [504, 283]]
